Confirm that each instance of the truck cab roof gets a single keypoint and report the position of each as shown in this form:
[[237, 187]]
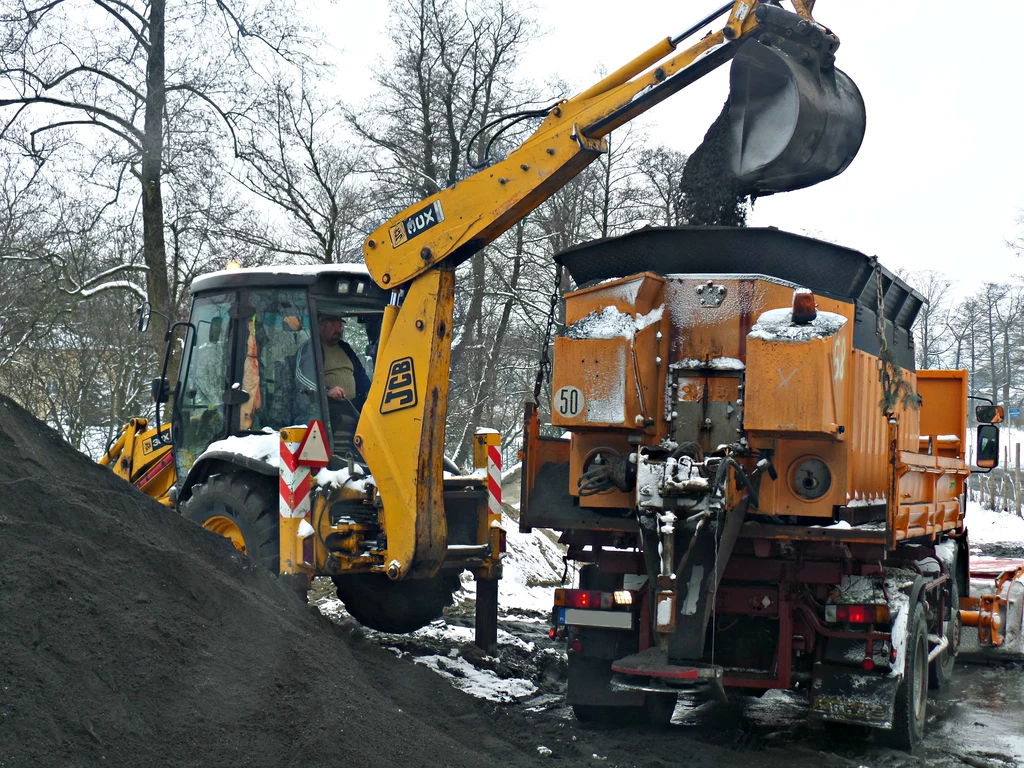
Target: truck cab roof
[[324, 277]]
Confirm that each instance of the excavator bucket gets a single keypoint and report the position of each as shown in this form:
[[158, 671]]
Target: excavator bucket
[[794, 118]]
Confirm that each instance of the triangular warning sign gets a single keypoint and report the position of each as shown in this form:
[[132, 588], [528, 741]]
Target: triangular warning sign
[[313, 450]]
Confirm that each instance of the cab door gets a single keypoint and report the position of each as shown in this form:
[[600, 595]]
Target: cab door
[[201, 414]]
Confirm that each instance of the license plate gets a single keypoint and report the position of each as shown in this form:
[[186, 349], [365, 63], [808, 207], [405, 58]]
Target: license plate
[[606, 619]]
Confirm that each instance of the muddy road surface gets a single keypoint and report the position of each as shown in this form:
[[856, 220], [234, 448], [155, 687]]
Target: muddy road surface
[[977, 722]]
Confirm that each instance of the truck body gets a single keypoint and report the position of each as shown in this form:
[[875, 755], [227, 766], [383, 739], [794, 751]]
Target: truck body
[[761, 490]]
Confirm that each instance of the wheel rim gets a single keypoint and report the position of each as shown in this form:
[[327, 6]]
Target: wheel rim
[[228, 528], [920, 678]]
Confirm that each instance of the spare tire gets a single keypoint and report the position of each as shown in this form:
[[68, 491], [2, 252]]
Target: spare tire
[[377, 602]]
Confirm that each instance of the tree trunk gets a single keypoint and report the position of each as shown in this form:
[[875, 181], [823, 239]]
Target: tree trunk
[[992, 352], [153, 250]]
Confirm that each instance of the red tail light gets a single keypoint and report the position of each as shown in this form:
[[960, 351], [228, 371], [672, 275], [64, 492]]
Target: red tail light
[[583, 598], [857, 614], [307, 550]]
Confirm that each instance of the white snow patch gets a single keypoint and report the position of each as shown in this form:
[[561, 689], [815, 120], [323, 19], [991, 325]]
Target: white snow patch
[[340, 478], [652, 317], [531, 568], [986, 526], [311, 271], [714, 364], [265, 447], [777, 325], [610, 323], [867, 501], [482, 683]]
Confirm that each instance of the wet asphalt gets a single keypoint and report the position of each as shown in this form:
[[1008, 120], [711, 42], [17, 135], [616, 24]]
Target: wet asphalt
[[978, 721]]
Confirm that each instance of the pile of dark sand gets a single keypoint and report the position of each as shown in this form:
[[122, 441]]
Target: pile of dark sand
[[131, 637]]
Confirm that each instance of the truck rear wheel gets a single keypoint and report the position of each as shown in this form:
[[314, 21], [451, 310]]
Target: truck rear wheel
[[377, 602], [242, 508], [940, 671], [911, 709]]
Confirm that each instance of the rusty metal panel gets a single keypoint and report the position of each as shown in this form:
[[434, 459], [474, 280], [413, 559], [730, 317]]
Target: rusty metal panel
[[868, 432], [797, 387], [597, 370], [943, 410], [609, 368]]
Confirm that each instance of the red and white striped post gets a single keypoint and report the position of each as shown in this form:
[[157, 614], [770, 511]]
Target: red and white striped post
[[295, 486], [487, 455], [302, 448]]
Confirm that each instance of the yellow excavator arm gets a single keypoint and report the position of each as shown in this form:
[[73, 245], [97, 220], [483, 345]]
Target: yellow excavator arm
[[788, 70]]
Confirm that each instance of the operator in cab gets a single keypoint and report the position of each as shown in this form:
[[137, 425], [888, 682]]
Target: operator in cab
[[344, 378]]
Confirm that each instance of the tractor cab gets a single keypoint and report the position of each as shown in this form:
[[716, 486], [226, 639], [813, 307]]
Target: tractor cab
[[268, 347]]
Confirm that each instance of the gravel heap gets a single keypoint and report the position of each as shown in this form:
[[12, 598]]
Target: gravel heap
[[131, 637]]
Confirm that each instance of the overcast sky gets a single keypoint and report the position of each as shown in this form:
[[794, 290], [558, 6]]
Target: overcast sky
[[938, 181]]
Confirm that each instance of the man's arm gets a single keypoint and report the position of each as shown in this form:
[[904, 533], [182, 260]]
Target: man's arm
[[305, 370]]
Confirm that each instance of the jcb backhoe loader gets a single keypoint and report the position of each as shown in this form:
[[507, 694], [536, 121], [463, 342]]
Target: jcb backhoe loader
[[395, 543]]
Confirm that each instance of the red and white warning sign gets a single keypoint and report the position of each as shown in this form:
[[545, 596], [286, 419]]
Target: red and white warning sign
[[313, 450], [301, 448]]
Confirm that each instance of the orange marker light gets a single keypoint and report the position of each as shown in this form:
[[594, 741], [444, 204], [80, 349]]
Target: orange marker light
[[804, 308]]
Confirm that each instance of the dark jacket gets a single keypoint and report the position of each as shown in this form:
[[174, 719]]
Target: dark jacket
[[305, 371]]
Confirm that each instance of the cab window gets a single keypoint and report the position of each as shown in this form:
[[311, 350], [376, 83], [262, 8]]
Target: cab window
[[276, 326], [201, 413]]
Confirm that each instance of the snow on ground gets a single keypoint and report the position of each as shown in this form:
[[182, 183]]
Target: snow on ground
[[484, 683], [443, 648], [985, 526], [532, 567]]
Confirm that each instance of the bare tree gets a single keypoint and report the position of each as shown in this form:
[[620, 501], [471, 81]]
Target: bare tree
[[931, 320], [297, 158], [140, 83], [663, 171], [451, 74]]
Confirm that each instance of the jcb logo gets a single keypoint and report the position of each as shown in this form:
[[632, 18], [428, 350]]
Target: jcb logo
[[400, 391], [417, 224], [397, 235]]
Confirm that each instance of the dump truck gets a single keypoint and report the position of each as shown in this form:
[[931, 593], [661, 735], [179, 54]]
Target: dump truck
[[761, 491], [381, 518]]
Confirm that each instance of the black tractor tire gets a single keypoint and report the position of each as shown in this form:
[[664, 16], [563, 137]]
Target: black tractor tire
[[377, 602], [940, 671], [243, 507], [910, 712]]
